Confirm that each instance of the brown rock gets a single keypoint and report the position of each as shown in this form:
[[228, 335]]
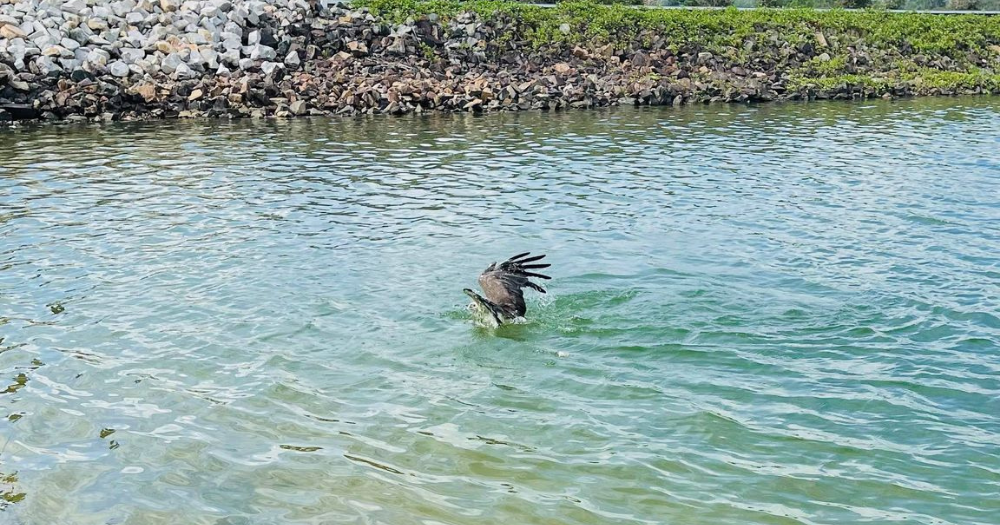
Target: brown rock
[[11, 32], [358, 48], [146, 91], [821, 39], [195, 95]]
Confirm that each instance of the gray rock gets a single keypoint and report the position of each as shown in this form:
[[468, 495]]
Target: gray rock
[[69, 43], [168, 5], [196, 38], [195, 58], [118, 69], [223, 71], [75, 6], [135, 38], [231, 57], [246, 63], [292, 60], [131, 56], [98, 57], [47, 65], [268, 68], [171, 63], [135, 18], [81, 34], [253, 38], [123, 7], [262, 52], [298, 107], [6, 73], [69, 63], [211, 58], [184, 72], [238, 14], [231, 43], [17, 48]]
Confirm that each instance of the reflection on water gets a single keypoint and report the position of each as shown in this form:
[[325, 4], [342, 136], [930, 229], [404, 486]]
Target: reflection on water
[[775, 314]]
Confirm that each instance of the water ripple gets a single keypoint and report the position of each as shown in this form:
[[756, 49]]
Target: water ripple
[[776, 314]]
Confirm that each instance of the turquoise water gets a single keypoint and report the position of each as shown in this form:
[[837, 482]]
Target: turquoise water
[[785, 314]]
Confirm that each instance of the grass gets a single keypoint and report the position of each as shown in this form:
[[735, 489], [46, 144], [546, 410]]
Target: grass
[[923, 33], [891, 41]]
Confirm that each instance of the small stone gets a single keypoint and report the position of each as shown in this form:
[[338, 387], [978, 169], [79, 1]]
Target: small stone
[[292, 60], [184, 72], [131, 56], [168, 6], [262, 52], [20, 85], [75, 6], [246, 63], [98, 57], [223, 71], [11, 32], [253, 38], [562, 68], [69, 44], [298, 107], [231, 57], [196, 94], [825, 57], [821, 39], [118, 69], [81, 34], [564, 29], [122, 8], [268, 68], [171, 63], [211, 58], [704, 56], [231, 42], [358, 48], [97, 24], [146, 91], [6, 73]]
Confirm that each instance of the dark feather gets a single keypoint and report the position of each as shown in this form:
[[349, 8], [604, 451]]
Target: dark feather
[[503, 285]]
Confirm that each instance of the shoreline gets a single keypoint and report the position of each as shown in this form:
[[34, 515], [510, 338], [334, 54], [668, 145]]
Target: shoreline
[[146, 60]]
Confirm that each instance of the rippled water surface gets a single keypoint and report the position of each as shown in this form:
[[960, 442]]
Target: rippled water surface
[[785, 314]]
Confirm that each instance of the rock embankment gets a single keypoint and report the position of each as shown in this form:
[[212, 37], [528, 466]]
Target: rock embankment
[[139, 59]]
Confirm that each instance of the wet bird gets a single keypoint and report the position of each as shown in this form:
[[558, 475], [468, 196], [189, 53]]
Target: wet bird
[[502, 284]]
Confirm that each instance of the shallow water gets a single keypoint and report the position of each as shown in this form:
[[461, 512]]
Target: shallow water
[[781, 314]]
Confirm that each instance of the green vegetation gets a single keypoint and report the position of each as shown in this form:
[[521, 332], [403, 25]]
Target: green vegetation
[[873, 49], [621, 24]]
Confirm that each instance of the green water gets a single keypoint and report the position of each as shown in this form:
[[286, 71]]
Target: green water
[[776, 315]]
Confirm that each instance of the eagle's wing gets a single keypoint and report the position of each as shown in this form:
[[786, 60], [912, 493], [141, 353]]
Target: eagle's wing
[[503, 284]]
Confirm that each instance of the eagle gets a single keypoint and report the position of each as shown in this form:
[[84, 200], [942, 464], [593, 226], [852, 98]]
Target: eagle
[[503, 286]]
